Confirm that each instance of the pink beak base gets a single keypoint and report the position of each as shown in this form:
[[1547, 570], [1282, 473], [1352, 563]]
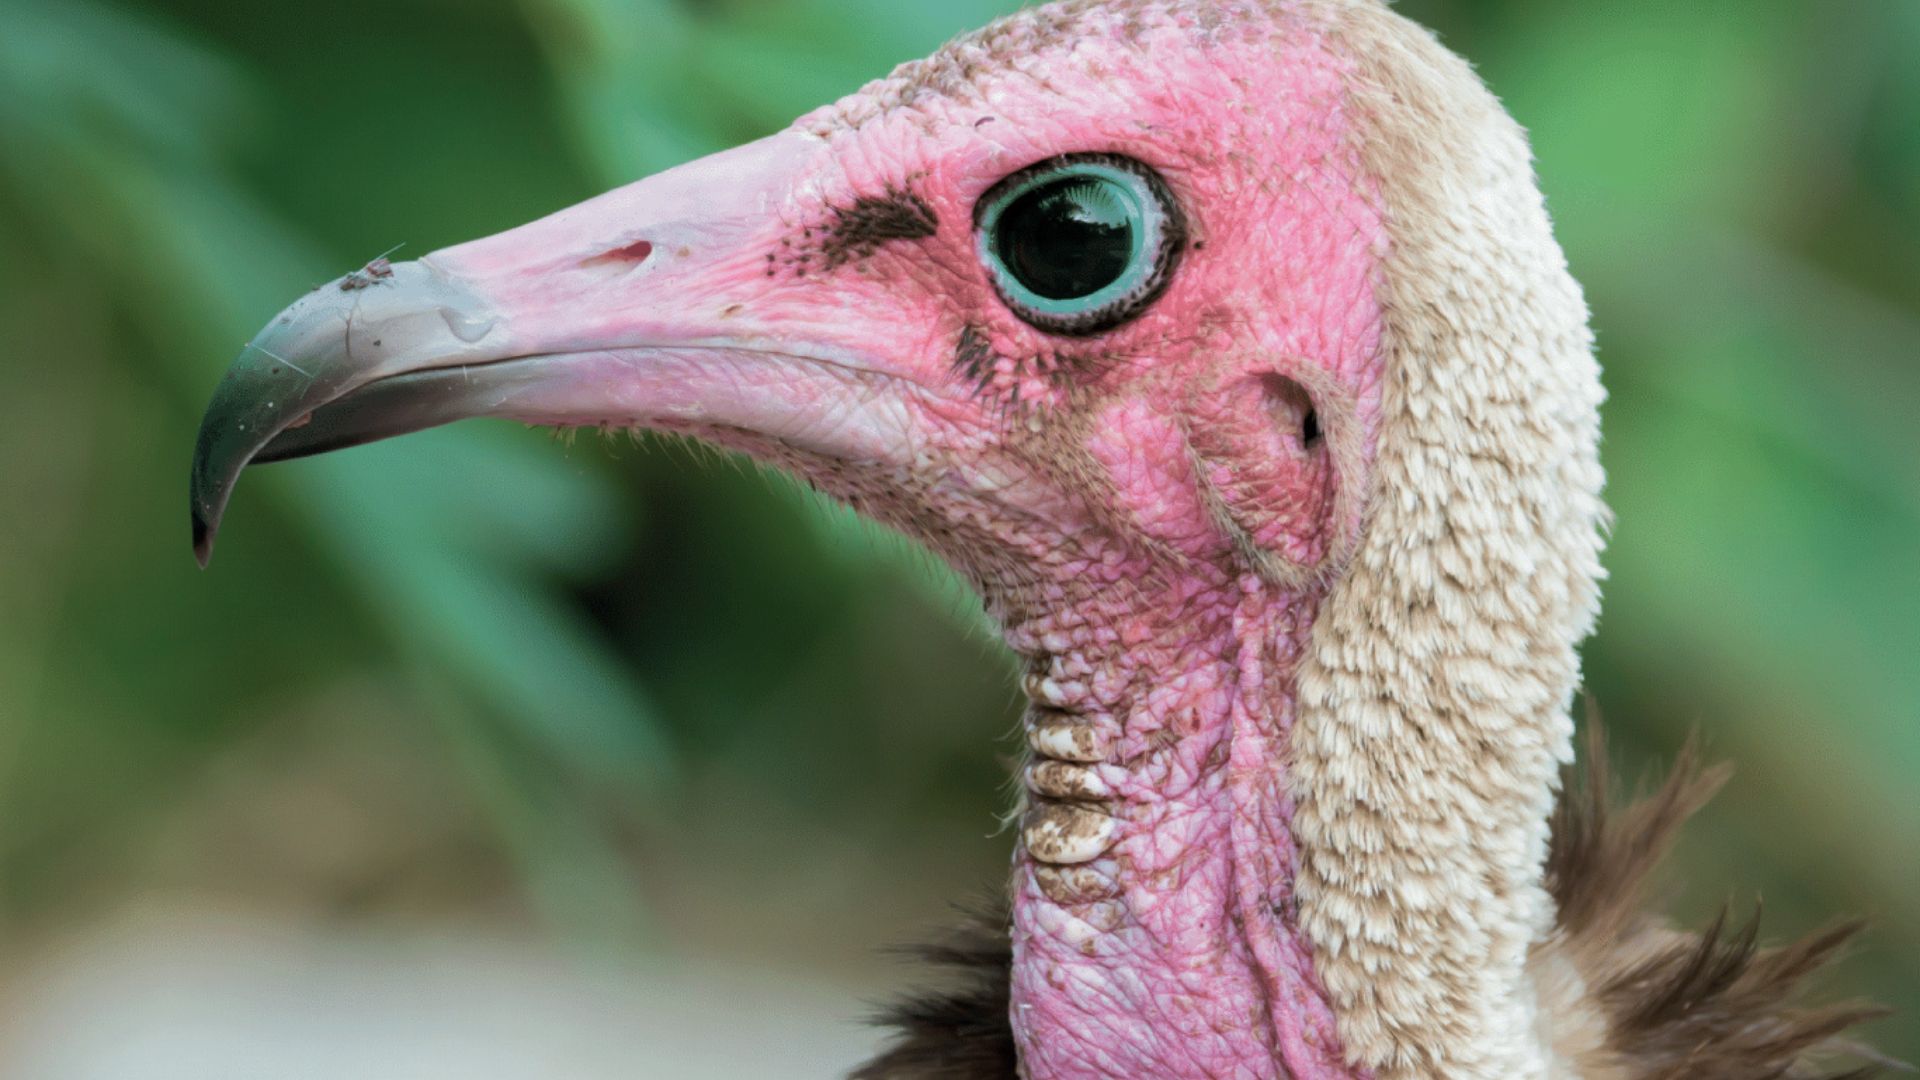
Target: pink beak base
[[617, 312]]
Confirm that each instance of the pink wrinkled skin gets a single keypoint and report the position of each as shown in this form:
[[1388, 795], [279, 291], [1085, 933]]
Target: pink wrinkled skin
[[1102, 492], [1195, 967]]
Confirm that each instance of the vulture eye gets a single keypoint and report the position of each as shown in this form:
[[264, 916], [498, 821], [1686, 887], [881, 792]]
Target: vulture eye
[[1080, 244]]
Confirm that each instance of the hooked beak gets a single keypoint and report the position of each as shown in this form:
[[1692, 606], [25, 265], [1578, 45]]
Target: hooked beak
[[653, 305]]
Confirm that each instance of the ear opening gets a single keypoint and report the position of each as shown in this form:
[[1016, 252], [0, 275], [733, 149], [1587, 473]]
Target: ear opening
[[1280, 462], [1296, 419]]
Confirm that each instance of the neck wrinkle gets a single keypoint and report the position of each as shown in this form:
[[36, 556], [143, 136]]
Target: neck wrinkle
[[1264, 853], [1187, 925]]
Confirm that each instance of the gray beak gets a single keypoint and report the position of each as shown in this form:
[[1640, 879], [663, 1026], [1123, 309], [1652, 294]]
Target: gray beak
[[380, 352]]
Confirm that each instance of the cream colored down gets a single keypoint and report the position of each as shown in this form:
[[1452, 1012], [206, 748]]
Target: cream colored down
[[1433, 705]]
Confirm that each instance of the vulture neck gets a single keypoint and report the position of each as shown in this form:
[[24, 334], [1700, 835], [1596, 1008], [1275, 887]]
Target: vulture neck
[[1154, 921], [1319, 826]]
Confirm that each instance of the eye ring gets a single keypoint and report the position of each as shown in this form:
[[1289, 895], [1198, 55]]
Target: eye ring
[[1081, 243]]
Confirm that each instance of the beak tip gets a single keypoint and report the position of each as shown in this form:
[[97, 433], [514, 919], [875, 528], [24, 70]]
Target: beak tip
[[203, 531]]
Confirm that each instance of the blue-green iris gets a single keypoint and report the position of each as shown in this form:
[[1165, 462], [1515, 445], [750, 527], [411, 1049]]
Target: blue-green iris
[[1078, 244]]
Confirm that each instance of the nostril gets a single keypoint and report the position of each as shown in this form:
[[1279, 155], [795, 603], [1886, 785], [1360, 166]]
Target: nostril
[[1310, 428], [632, 255]]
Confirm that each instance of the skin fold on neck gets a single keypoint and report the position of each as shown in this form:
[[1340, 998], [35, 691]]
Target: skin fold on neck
[[1153, 913]]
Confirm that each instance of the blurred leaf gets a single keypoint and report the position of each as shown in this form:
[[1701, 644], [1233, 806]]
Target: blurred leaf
[[456, 572], [1643, 113], [779, 61], [631, 73]]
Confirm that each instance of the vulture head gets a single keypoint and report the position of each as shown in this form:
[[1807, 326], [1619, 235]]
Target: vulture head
[[1225, 346]]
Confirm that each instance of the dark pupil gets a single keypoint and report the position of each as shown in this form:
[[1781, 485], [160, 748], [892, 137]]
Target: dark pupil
[[1066, 239]]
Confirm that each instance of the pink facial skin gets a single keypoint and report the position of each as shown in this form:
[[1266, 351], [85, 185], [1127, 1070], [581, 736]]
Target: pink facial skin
[[1146, 510]]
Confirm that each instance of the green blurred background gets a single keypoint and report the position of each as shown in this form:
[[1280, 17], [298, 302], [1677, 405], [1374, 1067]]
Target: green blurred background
[[610, 720]]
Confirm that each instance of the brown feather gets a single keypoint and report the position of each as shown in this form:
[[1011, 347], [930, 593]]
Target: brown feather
[[963, 1032], [1712, 1006], [1675, 1006]]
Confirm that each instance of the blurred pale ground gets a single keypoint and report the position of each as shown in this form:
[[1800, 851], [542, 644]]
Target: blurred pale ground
[[481, 756]]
